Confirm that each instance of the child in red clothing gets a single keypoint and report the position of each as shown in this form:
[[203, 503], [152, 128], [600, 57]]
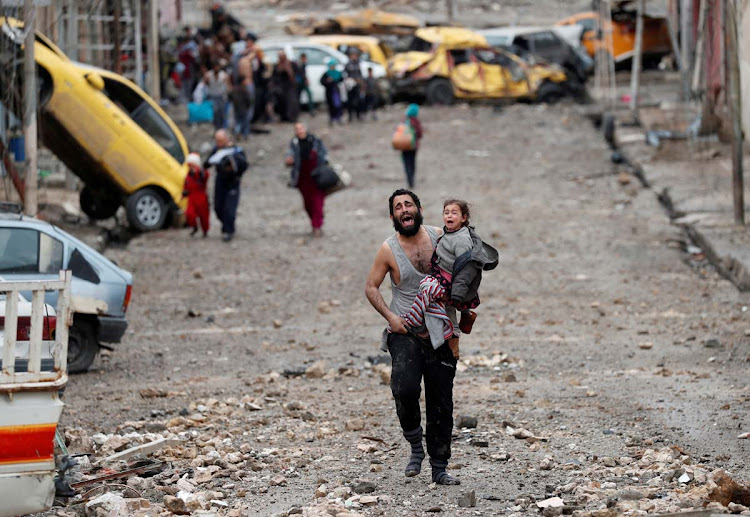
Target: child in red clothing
[[195, 191]]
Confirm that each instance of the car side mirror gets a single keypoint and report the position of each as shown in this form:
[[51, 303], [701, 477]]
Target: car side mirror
[[95, 80]]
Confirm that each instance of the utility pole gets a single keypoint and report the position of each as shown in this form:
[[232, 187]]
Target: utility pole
[[450, 6], [138, 45], [154, 84], [686, 36], [635, 75], [116, 30], [734, 105], [31, 176]]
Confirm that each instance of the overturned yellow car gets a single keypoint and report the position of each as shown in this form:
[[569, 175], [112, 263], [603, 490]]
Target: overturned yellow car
[[448, 63]]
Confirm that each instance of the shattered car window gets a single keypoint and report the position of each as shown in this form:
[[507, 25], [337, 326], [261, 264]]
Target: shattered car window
[[420, 45]]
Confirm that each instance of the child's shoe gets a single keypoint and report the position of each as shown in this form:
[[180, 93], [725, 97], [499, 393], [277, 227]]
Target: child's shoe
[[467, 321]]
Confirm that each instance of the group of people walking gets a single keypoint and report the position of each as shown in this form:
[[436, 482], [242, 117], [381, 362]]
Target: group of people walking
[[305, 154], [350, 90], [237, 80]]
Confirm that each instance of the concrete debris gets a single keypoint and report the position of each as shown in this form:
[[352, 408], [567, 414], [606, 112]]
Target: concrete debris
[[467, 500], [552, 502], [466, 422]]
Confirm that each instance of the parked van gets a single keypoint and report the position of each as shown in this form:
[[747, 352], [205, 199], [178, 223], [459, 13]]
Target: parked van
[[109, 132], [31, 249]]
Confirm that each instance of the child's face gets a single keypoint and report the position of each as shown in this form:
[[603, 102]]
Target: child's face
[[453, 218]]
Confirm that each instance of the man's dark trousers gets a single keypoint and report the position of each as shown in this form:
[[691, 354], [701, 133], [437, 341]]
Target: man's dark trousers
[[413, 358], [226, 200]]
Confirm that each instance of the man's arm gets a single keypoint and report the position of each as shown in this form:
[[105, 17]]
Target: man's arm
[[372, 290]]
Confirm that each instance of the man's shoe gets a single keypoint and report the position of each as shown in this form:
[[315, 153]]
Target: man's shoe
[[467, 321], [227, 237], [195, 230]]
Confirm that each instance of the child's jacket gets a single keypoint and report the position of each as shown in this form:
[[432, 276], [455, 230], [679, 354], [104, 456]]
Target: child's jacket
[[468, 267]]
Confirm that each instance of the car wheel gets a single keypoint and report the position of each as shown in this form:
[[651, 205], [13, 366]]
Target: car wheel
[[97, 207], [146, 210], [82, 346], [439, 91], [550, 93]]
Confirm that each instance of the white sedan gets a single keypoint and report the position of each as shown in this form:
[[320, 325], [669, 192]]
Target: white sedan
[[317, 62]]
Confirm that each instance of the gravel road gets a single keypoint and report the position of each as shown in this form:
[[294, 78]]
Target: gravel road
[[597, 334]]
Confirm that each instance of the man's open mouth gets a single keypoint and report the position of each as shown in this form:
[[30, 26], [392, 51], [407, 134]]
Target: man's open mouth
[[407, 220]]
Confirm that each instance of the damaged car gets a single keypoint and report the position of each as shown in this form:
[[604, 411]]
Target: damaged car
[[107, 131], [448, 63], [558, 45], [656, 40], [31, 249]]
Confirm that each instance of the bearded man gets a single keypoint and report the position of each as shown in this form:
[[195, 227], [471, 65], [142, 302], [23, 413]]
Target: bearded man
[[405, 256]]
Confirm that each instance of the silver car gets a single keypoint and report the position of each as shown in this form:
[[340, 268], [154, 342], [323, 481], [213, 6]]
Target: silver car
[[31, 249]]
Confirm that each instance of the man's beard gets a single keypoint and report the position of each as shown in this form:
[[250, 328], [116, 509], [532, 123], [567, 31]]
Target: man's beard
[[409, 232]]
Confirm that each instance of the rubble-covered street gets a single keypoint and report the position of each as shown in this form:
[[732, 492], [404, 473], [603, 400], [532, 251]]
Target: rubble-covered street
[[606, 373]]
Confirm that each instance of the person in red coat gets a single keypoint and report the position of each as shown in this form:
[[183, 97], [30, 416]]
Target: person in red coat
[[195, 192]]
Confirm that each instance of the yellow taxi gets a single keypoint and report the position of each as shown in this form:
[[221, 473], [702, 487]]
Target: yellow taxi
[[110, 133], [448, 63], [370, 47]]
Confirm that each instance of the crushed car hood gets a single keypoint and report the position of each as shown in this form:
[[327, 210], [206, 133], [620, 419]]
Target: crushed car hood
[[407, 61]]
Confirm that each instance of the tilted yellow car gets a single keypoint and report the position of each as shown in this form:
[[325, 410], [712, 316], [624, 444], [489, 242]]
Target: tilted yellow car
[[448, 63], [109, 132]]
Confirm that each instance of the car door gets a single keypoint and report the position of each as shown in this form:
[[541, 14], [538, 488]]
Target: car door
[[148, 150], [466, 73], [317, 64], [504, 77]]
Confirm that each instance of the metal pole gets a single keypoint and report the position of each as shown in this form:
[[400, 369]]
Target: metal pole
[[686, 37], [153, 50], [29, 112], [635, 75], [734, 104], [72, 49], [116, 36], [451, 8], [138, 45]]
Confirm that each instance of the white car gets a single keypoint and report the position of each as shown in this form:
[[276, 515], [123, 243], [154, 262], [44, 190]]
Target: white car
[[23, 331], [317, 62]]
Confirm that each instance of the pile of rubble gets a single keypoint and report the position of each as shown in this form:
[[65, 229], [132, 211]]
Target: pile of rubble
[[216, 457]]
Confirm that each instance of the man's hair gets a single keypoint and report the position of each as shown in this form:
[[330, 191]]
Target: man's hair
[[462, 205], [403, 192], [303, 55]]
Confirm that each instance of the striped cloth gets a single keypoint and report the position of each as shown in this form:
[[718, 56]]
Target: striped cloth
[[427, 305]]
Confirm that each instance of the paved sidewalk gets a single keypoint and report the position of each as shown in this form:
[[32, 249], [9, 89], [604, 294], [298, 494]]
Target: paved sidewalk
[[694, 182]]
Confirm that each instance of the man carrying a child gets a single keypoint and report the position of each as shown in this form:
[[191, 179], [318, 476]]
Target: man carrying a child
[[416, 352]]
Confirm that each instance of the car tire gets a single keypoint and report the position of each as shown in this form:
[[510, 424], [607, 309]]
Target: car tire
[[550, 93], [97, 207], [439, 91], [82, 346], [146, 210]]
